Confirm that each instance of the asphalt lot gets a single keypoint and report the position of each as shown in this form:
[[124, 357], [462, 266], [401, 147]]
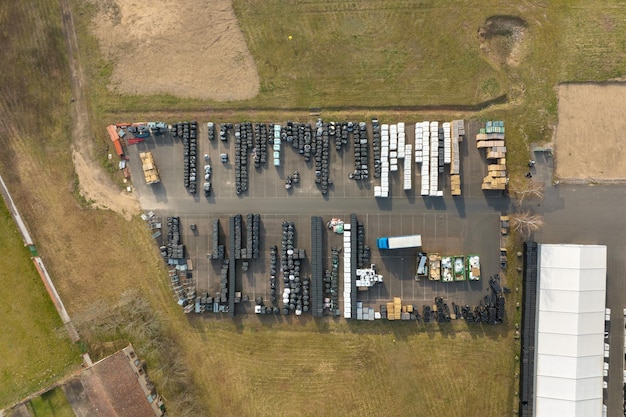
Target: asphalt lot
[[584, 214], [592, 214], [450, 226]]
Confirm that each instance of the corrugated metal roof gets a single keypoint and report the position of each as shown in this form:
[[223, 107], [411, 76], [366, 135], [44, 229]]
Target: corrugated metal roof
[[570, 330]]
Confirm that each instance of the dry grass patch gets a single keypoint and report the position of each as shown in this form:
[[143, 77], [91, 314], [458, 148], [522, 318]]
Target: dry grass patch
[[328, 369], [590, 136], [190, 48]]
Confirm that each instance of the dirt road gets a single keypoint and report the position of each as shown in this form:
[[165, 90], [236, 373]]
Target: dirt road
[[95, 184]]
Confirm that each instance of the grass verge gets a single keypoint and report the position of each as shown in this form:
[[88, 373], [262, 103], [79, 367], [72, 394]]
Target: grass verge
[[30, 323]]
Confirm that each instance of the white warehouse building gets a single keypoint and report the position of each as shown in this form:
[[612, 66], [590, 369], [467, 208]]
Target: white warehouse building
[[569, 350]]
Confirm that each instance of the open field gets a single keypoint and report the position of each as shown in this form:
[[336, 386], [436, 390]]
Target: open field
[[373, 53], [339, 60], [30, 322], [95, 255], [201, 50], [589, 139], [34, 347], [370, 369]]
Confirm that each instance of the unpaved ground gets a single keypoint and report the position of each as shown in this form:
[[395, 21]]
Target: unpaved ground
[[187, 48], [589, 140], [96, 186], [503, 39], [94, 183]]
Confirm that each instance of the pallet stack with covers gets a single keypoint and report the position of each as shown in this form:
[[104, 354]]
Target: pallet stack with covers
[[347, 271], [382, 190], [408, 170], [434, 160], [393, 148]]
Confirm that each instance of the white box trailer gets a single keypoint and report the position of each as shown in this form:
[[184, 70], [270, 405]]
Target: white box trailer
[[399, 242]]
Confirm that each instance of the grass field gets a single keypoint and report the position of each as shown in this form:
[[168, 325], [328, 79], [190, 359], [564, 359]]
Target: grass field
[[51, 404], [240, 367], [30, 322], [371, 53], [322, 368], [367, 369], [387, 54]]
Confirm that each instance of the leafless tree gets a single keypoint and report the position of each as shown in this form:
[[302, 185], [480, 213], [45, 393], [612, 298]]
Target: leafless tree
[[107, 327], [525, 223], [528, 190]]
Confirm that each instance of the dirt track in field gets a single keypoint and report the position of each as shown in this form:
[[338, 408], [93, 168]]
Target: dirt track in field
[[94, 183], [589, 140], [186, 48]]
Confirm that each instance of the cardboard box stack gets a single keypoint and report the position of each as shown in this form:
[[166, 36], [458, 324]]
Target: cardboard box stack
[[395, 309], [491, 138], [455, 184], [458, 131]]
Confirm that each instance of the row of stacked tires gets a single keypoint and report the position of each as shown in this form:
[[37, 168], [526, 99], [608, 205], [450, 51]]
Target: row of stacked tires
[[338, 133], [187, 131], [296, 297], [224, 128], [317, 268], [364, 253], [361, 153], [300, 136], [322, 158], [174, 249], [331, 284], [223, 294], [243, 142], [211, 131], [273, 271], [260, 144], [238, 223], [218, 251], [376, 148], [253, 225]]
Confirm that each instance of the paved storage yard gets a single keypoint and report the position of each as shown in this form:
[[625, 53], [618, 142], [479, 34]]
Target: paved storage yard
[[450, 226]]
